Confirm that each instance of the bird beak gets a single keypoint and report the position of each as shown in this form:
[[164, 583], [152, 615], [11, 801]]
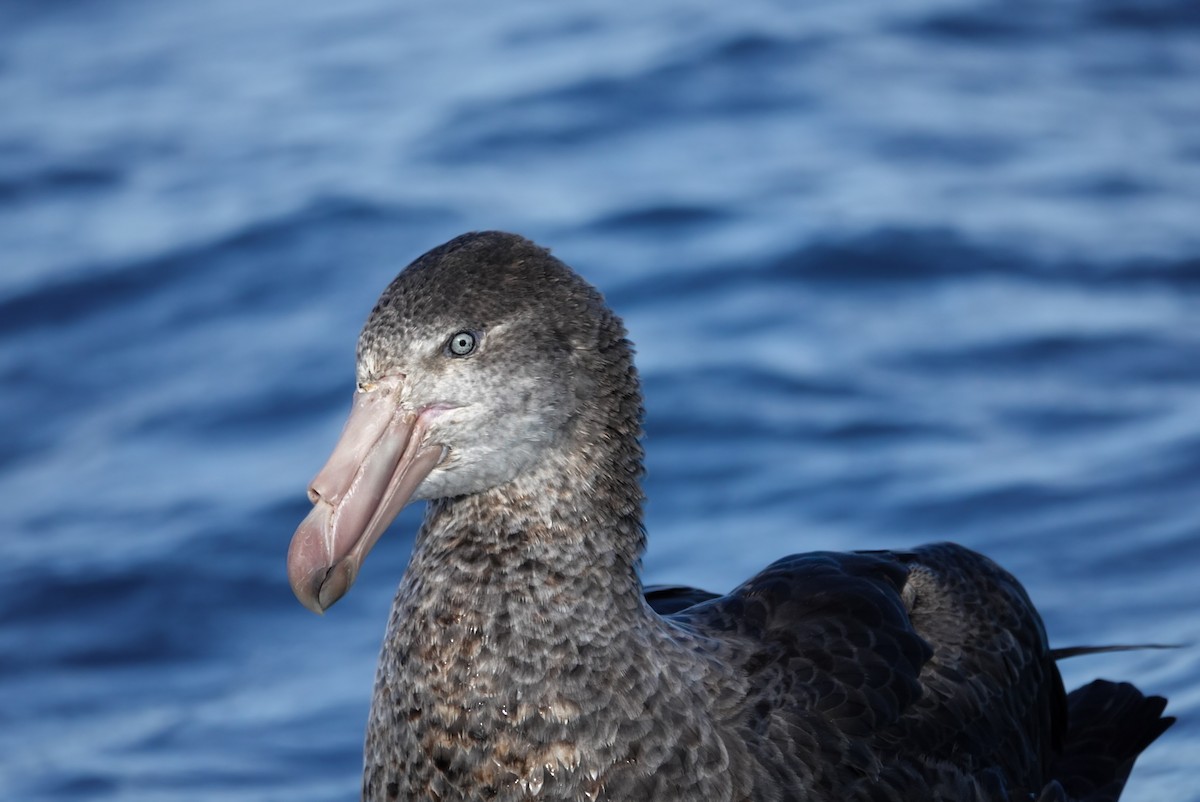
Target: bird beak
[[376, 466]]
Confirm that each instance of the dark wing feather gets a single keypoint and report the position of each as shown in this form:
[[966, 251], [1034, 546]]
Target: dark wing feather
[[909, 673], [826, 657], [994, 698], [671, 599]]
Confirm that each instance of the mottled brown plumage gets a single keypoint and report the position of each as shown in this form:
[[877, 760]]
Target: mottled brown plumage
[[523, 660]]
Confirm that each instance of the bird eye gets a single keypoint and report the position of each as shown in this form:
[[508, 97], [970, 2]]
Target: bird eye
[[461, 343]]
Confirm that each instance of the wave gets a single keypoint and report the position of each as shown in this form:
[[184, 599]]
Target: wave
[[18, 188], [715, 78], [895, 257], [80, 293], [995, 24]]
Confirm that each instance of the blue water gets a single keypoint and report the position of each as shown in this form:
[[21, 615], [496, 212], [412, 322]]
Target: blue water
[[897, 272]]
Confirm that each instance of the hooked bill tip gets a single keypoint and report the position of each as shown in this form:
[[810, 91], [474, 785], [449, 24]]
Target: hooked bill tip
[[337, 581], [321, 589]]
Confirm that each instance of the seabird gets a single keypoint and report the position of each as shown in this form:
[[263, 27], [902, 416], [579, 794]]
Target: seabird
[[524, 659]]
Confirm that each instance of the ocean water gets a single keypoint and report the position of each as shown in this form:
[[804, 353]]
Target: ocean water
[[897, 272]]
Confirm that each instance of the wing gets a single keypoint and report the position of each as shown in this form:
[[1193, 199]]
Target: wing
[[994, 700], [671, 599], [904, 670]]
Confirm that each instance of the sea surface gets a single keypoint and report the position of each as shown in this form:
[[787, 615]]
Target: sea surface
[[897, 272]]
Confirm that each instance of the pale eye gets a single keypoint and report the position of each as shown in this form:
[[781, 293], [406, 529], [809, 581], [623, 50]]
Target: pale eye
[[461, 343]]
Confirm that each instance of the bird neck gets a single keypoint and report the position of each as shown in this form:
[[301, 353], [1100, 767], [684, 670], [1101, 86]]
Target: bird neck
[[499, 662], [508, 602], [567, 533]]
